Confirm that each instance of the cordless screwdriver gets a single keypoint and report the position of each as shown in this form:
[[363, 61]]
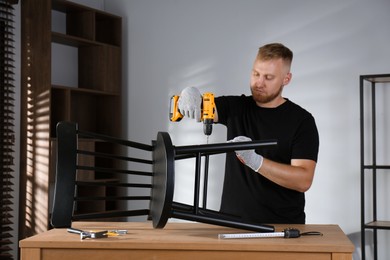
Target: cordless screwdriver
[[207, 111]]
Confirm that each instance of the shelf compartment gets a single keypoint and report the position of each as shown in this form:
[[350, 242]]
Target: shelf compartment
[[95, 113], [93, 110], [59, 108], [99, 68], [90, 24], [108, 29], [96, 67]]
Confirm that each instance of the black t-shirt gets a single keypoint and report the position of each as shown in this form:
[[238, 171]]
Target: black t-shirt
[[247, 194]]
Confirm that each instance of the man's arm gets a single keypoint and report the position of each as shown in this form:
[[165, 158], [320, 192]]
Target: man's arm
[[297, 176]]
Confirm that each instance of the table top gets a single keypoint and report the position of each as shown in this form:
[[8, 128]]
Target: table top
[[191, 236]]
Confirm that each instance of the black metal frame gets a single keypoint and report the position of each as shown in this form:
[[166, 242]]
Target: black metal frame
[[373, 167], [164, 154]]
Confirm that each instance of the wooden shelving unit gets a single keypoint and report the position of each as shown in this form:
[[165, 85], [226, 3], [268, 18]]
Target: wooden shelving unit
[[94, 102]]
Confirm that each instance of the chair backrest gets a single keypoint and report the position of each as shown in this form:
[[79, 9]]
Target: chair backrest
[[92, 177], [82, 169]]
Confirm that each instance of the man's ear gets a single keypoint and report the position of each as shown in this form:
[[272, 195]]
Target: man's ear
[[287, 79]]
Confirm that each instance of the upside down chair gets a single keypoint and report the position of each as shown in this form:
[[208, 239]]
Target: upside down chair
[[112, 173]]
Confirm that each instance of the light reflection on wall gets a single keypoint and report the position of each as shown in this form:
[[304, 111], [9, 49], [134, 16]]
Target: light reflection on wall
[[36, 218], [35, 215]]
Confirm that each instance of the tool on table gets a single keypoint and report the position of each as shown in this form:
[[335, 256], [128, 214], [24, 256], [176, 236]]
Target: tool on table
[[88, 234], [97, 234], [286, 233], [207, 114], [116, 232]]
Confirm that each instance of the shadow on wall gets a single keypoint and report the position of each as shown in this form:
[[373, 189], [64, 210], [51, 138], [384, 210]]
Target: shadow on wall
[[356, 240]]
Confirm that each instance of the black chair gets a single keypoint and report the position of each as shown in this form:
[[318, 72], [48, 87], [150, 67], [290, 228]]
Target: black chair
[[112, 170]]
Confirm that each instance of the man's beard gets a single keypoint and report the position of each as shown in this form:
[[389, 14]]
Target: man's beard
[[262, 98]]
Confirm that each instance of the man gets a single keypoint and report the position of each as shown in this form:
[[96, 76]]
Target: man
[[266, 185]]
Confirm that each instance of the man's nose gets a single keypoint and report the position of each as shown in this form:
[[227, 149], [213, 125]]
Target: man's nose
[[259, 81]]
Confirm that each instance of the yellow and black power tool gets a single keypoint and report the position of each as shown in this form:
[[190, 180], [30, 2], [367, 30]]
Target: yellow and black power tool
[[207, 111]]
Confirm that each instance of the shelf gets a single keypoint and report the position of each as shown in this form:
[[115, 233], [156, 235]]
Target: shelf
[[382, 167], [75, 41], [378, 225], [84, 90], [372, 89], [97, 182], [94, 102], [376, 78], [74, 75], [72, 40], [66, 6]]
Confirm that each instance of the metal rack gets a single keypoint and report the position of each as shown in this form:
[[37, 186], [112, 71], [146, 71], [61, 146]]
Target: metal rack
[[369, 167]]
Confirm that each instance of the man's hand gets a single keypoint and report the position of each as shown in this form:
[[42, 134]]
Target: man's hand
[[190, 102], [248, 157]]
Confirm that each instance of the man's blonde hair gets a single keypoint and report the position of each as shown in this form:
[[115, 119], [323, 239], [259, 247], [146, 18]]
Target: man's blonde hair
[[273, 51]]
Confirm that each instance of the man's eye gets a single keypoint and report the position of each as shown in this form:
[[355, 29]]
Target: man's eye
[[269, 77]]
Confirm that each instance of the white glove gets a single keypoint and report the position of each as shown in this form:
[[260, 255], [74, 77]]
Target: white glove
[[248, 157], [190, 102]]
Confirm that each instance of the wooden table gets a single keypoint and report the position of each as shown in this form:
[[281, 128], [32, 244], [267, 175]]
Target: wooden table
[[184, 241]]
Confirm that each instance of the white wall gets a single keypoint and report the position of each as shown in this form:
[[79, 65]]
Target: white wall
[[211, 44], [170, 44]]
